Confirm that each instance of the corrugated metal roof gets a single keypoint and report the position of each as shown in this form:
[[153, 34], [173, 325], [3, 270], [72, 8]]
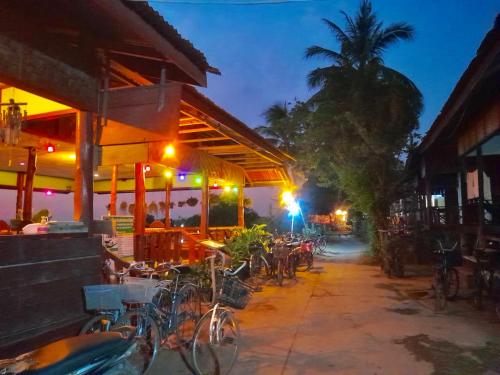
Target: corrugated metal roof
[[154, 19]]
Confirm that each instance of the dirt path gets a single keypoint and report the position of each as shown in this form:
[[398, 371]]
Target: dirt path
[[344, 318]]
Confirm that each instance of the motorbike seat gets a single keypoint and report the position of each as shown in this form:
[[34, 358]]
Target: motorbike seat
[[67, 355]]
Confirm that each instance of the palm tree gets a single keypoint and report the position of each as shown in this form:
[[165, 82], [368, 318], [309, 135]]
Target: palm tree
[[362, 43], [281, 129], [358, 72]]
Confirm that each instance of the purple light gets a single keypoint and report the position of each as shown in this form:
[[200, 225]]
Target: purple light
[[182, 176], [49, 193]]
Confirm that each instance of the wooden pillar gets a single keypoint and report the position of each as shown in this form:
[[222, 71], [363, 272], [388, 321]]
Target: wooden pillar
[[19, 197], [28, 186], [205, 193], [84, 169], [168, 191], [480, 209], [139, 212], [114, 187], [428, 201], [241, 206]]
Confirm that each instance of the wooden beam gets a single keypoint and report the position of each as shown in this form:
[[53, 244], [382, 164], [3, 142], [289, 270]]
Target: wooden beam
[[19, 196], [125, 16], [226, 148], [168, 190], [129, 74], [114, 186], [205, 195], [139, 212], [28, 186], [195, 130], [33, 71], [84, 169], [195, 140], [241, 206]]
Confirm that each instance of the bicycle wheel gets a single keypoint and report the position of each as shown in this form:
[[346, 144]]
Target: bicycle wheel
[[322, 245], [98, 323], [439, 290], [477, 298], [291, 265], [452, 283], [188, 313], [216, 343], [258, 267], [147, 335], [279, 271]]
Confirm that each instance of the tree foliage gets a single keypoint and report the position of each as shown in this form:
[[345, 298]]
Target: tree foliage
[[364, 114]]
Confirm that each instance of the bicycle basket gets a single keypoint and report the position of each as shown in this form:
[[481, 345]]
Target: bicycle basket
[[102, 297], [139, 290], [234, 293]]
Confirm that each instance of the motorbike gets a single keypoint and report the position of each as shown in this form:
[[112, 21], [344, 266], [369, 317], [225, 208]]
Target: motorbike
[[106, 353]]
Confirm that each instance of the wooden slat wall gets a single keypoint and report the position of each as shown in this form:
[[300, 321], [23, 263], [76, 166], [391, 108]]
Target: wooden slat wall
[[41, 279]]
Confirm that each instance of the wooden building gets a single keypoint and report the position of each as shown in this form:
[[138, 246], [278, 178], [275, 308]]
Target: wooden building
[[458, 161], [108, 87]]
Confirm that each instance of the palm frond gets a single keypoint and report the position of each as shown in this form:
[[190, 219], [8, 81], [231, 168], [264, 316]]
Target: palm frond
[[317, 77], [326, 53], [340, 35], [394, 33]]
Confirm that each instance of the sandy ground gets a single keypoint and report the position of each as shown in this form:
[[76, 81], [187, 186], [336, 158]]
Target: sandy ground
[[346, 318]]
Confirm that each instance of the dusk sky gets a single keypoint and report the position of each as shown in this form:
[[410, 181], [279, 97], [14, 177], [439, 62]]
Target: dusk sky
[[260, 51], [259, 48]]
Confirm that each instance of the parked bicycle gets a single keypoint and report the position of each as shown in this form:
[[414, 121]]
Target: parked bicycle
[[303, 255], [216, 339], [166, 311], [486, 279], [319, 244], [284, 260], [446, 279]]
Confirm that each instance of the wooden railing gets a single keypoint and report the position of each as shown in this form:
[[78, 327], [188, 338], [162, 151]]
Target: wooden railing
[[174, 244]]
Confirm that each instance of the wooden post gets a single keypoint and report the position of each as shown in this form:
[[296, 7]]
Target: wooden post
[[84, 169], [241, 206], [28, 187], [139, 212], [19, 197], [114, 186], [168, 190], [205, 193], [480, 209]]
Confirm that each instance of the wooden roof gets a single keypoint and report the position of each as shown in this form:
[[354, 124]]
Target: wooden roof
[[479, 82], [90, 34]]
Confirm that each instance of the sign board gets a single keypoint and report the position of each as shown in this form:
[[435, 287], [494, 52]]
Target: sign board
[[122, 240]]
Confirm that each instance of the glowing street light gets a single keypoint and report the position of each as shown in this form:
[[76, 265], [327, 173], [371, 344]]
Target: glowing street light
[[168, 174]]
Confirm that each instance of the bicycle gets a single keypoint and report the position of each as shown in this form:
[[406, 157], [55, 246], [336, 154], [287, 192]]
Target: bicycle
[[446, 279], [259, 261], [486, 278], [216, 339], [319, 244], [284, 260], [303, 255]]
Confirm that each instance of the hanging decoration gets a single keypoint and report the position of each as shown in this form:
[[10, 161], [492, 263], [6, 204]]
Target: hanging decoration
[[11, 122]]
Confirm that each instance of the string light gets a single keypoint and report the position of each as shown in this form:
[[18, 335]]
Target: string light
[[50, 148], [168, 174], [147, 168], [197, 180]]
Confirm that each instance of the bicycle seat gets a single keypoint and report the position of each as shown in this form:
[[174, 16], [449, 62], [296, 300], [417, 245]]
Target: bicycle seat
[[67, 355]]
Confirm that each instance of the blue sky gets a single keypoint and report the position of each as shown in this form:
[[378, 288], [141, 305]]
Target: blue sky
[[259, 48]]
